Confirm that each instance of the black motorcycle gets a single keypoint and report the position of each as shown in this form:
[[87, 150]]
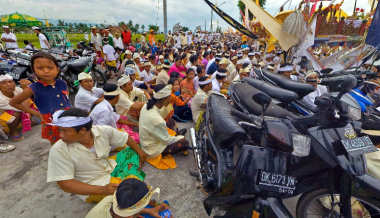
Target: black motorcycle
[[72, 68], [249, 163]]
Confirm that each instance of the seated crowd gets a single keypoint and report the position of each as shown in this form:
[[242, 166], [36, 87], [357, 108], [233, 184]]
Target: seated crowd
[[100, 143]]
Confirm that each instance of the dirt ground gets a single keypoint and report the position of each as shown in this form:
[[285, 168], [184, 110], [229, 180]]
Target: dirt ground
[[24, 192]]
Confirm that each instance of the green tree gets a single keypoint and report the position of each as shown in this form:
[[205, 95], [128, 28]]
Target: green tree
[[185, 29], [121, 23], [155, 28], [137, 27], [130, 24], [61, 23], [143, 27]]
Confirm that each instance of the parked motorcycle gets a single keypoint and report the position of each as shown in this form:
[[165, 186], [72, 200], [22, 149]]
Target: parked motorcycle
[[250, 162], [72, 68]]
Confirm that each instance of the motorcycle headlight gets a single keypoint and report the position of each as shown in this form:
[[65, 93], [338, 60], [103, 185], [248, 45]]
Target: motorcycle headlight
[[301, 145], [354, 113]]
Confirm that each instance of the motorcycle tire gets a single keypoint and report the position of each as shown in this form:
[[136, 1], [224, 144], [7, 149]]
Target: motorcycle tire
[[99, 78], [321, 197]]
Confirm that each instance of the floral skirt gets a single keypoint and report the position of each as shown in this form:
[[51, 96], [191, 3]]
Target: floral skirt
[[49, 132]]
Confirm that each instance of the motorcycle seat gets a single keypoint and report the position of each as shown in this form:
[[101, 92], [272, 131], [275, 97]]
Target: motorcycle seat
[[302, 89], [79, 65], [281, 94], [224, 126], [242, 96], [62, 64]]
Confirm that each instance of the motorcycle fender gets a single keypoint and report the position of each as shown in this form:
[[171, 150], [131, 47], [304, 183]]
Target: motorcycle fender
[[276, 207]]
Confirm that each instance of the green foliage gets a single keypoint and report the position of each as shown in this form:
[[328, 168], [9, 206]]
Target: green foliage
[[73, 37], [185, 29], [155, 28]]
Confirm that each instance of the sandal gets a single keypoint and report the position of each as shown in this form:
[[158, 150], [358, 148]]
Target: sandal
[[17, 138], [6, 148]]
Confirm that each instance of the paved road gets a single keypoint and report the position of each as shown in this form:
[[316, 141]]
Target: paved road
[[24, 192]]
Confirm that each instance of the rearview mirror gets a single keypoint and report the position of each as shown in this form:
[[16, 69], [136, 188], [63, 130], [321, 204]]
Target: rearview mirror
[[262, 99]]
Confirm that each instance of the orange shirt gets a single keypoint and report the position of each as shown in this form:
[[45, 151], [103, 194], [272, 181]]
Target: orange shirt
[[187, 88]]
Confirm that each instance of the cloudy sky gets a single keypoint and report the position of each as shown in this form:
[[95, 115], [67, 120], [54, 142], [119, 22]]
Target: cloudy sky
[[189, 13]]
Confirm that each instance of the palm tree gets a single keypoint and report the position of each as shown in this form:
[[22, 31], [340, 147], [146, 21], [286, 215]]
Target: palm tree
[[143, 28]]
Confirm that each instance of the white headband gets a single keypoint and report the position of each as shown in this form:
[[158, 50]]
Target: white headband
[[5, 77], [69, 121], [286, 68], [221, 74], [207, 81], [163, 93], [123, 80]]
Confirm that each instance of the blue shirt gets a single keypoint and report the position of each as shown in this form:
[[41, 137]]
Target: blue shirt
[[362, 99], [50, 98]]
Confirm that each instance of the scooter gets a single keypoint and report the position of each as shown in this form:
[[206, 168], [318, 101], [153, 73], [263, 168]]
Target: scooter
[[319, 157]]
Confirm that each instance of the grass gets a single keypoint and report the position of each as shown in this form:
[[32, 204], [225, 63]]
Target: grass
[[73, 37]]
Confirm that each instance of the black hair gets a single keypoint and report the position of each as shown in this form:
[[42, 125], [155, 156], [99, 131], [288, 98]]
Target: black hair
[[152, 101], [199, 69], [43, 54], [193, 58], [245, 65], [203, 78], [76, 112], [174, 74], [110, 87], [183, 56], [218, 77], [172, 80], [26, 42], [189, 70], [129, 192], [177, 58]]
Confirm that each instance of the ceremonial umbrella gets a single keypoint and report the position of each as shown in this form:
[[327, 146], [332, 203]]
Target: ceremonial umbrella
[[17, 19]]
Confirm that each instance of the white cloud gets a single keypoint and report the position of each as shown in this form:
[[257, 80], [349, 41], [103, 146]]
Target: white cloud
[[190, 13]]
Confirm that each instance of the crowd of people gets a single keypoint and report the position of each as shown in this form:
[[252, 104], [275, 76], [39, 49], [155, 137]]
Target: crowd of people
[[101, 140]]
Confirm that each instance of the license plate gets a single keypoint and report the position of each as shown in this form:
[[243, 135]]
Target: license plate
[[274, 182], [360, 145]]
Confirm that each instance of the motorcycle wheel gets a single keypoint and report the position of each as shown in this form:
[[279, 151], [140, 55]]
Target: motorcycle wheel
[[99, 78], [318, 203], [208, 167]]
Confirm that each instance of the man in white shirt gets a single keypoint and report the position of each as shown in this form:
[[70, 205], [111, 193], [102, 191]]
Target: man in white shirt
[[146, 75], [79, 162], [44, 43], [96, 39], [88, 95], [218, 81], [9, 38], [128, 95], [109, 51], [199, 101]]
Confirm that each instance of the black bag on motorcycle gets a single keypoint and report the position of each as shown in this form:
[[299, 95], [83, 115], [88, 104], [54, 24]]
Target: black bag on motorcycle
[[251, 161]]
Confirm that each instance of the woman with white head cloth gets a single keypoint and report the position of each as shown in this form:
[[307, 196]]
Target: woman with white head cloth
[[313, 79], [218, 82], [156, 139]]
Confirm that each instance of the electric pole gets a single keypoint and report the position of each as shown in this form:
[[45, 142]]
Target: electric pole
[[165, 18]]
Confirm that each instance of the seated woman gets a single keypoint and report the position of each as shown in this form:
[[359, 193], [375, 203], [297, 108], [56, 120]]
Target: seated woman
[[14, 121], [104, 114], [87, 95], [154, 134], [187, 85], [182, 111], [313, 78]]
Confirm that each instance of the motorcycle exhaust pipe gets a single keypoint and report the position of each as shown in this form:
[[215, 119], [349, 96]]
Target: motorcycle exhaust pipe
[[196, 151]]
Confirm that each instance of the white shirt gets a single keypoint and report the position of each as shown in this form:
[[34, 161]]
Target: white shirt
[[199, 99], [109, 51], [118, 43], [10, 36], [103, 114], [75, 161], [127, 99], [154, 136], [215, 85], [42, 39], [29, 47], [147, 76], [85, 99], [310, 98], [4, 100]]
